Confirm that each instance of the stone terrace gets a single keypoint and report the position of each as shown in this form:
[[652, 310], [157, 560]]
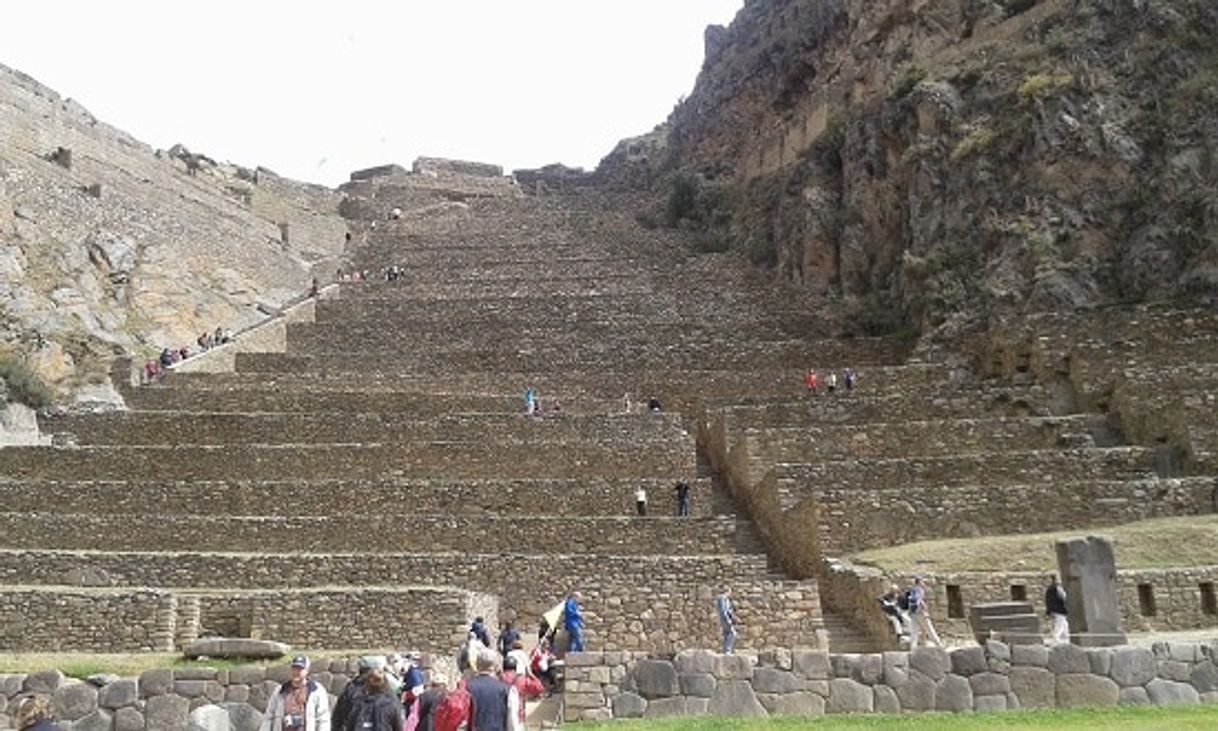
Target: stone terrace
[[388, 443]]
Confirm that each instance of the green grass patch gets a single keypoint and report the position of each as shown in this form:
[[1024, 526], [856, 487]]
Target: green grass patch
[[1149, 544], [1044, 85], [1144, 718], [907, 81], [976, 143]]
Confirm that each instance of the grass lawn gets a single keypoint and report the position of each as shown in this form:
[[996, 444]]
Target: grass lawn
[[1175, 718], [1149, 544]]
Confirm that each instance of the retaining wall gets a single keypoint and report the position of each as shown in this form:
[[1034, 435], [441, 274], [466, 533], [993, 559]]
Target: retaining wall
[[996, 677]]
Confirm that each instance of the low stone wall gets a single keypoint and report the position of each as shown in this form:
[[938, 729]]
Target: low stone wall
[[369, 532], [405, 498], [456, 460], [995, 677], [60, 619], [631, 603]]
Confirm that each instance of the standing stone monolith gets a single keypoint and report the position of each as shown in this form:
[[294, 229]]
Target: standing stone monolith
[[1088, 572]]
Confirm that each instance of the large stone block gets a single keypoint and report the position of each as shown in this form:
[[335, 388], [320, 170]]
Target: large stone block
[[167, 712], [698, 685], [896, 668], [1132, 666], [1100, 659], [733, 667], [1034, 686], [98, 720], [1174, 670], [989, 703], [869, 669], [245, 717], [770, 680], [1134, 697], [917, 693], [209, 718], [1171, 693], [886, 700], [226, 647], [155, 682], [656, 679], [11, 685], [811, 664], [735, 698], [968, 661], [43, 683], [1083, 690], [628, 705], [1204, 677], [793, 704], [954, 693], [130, 719], [700, 662], [73, 701], [990, 684], [119, 694], [1068, 660], [1032, 655], [668, 707], [196, 673], [849, 696], [844, 664], [933, 662], [246, 675]]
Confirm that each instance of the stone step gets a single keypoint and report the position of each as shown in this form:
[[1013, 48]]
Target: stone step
[[318, 461], [368, 533], [206, 428], [941, 437], [983, 468], [602, 496]]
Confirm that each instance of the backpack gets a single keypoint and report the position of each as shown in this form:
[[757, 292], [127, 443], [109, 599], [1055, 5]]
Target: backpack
[[453, 712], [903, 600], [364, 716]]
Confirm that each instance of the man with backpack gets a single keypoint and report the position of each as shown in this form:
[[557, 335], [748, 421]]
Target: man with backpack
[[375, 709], [346, 700], [301, 703]]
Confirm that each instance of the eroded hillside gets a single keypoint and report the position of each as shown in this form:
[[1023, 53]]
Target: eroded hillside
[[942, 163], [107, 245]]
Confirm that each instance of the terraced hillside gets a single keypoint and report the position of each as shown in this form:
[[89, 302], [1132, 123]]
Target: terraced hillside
[[385, 456]]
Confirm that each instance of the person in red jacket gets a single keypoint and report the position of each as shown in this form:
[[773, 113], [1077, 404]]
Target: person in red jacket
[[811, 381], [526, 685]]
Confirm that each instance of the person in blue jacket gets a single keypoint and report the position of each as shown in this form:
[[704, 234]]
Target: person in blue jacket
[[573, 621]]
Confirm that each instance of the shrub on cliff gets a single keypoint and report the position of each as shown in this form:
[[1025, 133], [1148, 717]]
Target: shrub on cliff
[[682, 198], [23, 386]]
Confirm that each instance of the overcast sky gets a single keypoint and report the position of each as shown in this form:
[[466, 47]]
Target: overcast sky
[[315, 93]]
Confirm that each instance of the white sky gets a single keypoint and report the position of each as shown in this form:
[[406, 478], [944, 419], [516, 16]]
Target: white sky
[[316, 90]]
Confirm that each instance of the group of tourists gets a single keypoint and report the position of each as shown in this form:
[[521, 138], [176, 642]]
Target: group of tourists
[[812, 381], [156, 368], [906, 613], [681, 494]]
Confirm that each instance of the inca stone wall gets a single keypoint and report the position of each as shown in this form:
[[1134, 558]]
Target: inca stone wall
[[996, 677]]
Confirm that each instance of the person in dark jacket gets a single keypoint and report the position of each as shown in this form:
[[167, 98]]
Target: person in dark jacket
[[34, 714], [431, 700], [1055, 609], [375, 709], [506, 637], [481, 632], [494, 705], [346, 699]]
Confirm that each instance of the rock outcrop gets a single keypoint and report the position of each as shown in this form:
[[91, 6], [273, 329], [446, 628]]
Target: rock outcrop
[[109, 246], [941, 164]]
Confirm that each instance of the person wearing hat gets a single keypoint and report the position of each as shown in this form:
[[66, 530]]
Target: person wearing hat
[[346, 699], [300, 705]]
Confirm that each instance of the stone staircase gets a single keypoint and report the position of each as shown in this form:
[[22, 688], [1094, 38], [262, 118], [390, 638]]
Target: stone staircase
[[385, 454]]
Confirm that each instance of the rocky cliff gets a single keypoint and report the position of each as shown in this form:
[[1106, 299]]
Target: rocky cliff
[[107, 245], [942, 163]]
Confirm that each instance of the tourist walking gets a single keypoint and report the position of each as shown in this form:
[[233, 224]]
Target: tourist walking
[[424, 711], [831, 382], [479, 630], [848, 379], [301, 704], [494, 705], [507, 636], [1055, 609], [375, 709], [640, 501], [527, 687], [573, 622], [682, 493], [346, 699], [920, 624], [811, 380], [727, 619], [530, 401]]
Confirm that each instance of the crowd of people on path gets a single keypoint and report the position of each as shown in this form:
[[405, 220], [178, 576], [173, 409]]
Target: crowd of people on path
[[812, 381], [156, 368], [392, 273], [910, 621]]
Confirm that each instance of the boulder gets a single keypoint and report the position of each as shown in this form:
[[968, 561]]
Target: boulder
[[247, 675], [770, 680], [917, 693], [794, 704], [155, 682], [166, 713], [1204, 677], [733, 667], [954, 693], [1171, 693], [990, 684], [968, 661], [695, 661], [1132, 666], [43, 683], [119, 694], [886, 700], [933, 662], [209, 718], [102, 679], [243, 716], [73, 701], [1033, 655], [130, 719], [667, 707], [698, 685], [1068, 660], [895, 668], [849, 696], [656, 679], [1083, 690], [735, 698], [869, 669], [628, 705], [1033, 686], [97, 720], [1100, 659], [811, 664], [1134, 697], [989, 703]]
